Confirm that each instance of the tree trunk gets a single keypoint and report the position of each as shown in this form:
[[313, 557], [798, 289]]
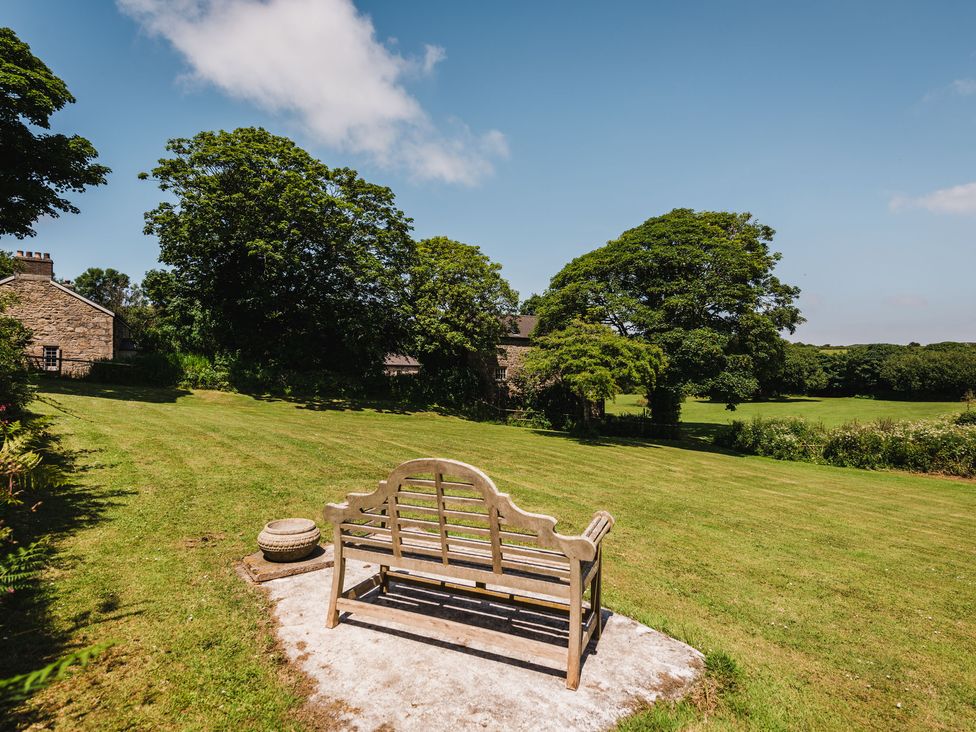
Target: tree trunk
[[665, 404]]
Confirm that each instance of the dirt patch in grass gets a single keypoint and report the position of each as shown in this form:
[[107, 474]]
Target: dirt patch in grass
[[203, 541]]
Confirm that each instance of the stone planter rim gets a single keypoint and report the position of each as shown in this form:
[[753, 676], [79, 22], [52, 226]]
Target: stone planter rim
[[288, 526]]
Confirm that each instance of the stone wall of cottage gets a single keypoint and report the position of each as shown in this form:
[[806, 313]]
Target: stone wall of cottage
[[511, 357], [60, 319]]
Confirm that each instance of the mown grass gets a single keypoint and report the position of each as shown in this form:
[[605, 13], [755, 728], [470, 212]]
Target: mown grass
[[832, 411], [843, 598]]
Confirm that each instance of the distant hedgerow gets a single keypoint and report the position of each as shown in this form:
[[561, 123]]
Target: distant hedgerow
[[936, 446]]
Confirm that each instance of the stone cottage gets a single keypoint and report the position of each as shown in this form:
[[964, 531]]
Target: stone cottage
[[70, 331], [513, 346]]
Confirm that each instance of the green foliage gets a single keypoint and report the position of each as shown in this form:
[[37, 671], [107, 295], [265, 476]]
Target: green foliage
[[733, 386], [699, 285], [20, 567], [593, 362], [939, 370], [23, 685], [935, 446], [144, 369], [637, 425], [200, 372], [108, 287], [529, 418], [37, 168], [15, 389], [967, 418], [803, 372], [783, 438], [458, 387], [931, 371], [531, 304], [458, 301], [276, 257]]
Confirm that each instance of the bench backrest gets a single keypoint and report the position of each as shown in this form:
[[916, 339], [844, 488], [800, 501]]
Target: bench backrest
[[451, 512]]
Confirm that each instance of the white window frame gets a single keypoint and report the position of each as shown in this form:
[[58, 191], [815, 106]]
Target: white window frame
[[51, 358], [501, 373]]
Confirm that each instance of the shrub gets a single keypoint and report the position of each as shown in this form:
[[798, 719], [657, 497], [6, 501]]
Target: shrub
[[199, 372], [529, 418], [783, 439], [143, 369], [966, 418], [937, 446], [637, 425], [15, 389]]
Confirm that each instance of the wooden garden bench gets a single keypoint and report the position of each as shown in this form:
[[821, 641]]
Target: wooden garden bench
[[447, 519]]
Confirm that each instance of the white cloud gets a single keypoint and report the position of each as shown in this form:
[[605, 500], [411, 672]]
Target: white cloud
[[959, 199], [964, 87], [433, 55], [320, 62]]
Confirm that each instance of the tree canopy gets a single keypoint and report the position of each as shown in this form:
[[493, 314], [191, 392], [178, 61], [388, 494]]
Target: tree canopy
[[278, 258], [107, 287], [593, 362], [699, 285], [458, 301], [38, 168]]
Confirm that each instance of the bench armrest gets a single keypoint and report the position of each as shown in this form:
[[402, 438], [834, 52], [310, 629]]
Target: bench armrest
[[599, 527]]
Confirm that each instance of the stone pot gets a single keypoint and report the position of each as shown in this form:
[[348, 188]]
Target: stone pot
[[288, 540]]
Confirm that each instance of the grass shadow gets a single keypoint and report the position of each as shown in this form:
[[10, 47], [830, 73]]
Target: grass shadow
[[77, 387], [341, 404], [51, 511], [361, 404], [772, 400], [694, 440]]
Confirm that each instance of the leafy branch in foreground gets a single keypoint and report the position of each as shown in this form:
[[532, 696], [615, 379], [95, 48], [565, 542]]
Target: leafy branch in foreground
[[18, 568], [21, 686]]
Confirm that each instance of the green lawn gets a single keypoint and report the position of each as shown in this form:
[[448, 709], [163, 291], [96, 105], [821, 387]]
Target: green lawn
[[829, 410], [848, 598]]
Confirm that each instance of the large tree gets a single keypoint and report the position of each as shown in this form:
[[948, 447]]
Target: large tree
[[107, 287], [279, 258], [699, 285], [459, 302], [38, 168]]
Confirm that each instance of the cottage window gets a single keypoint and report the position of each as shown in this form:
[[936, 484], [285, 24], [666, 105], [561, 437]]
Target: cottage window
[[52, 358], [501, 373]]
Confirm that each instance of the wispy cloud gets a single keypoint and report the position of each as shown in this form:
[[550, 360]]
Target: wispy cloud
[[963, 87], [959, 199], [906, 300], [956, 88], [319, 62]]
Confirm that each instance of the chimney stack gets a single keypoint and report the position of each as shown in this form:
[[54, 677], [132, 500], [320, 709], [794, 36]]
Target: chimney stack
[[34, 265]]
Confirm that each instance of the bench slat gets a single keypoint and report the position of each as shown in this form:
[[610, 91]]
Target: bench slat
[[551, 586], [541, 557], [459, 632], [429, 545], [458, 500]]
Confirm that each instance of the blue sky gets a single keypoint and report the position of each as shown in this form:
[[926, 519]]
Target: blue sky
[[541, 130]]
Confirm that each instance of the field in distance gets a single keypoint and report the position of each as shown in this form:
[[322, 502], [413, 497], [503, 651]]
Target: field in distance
[[831, 411]]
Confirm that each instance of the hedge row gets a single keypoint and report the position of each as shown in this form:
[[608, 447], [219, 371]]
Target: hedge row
[[945, 446]]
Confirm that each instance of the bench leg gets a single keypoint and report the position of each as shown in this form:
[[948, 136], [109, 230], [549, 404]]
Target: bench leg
[[596, 590], [575, 628], [338, 575], [384, 580]]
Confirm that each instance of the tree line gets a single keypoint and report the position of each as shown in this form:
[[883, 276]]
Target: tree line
[[937, 371]]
